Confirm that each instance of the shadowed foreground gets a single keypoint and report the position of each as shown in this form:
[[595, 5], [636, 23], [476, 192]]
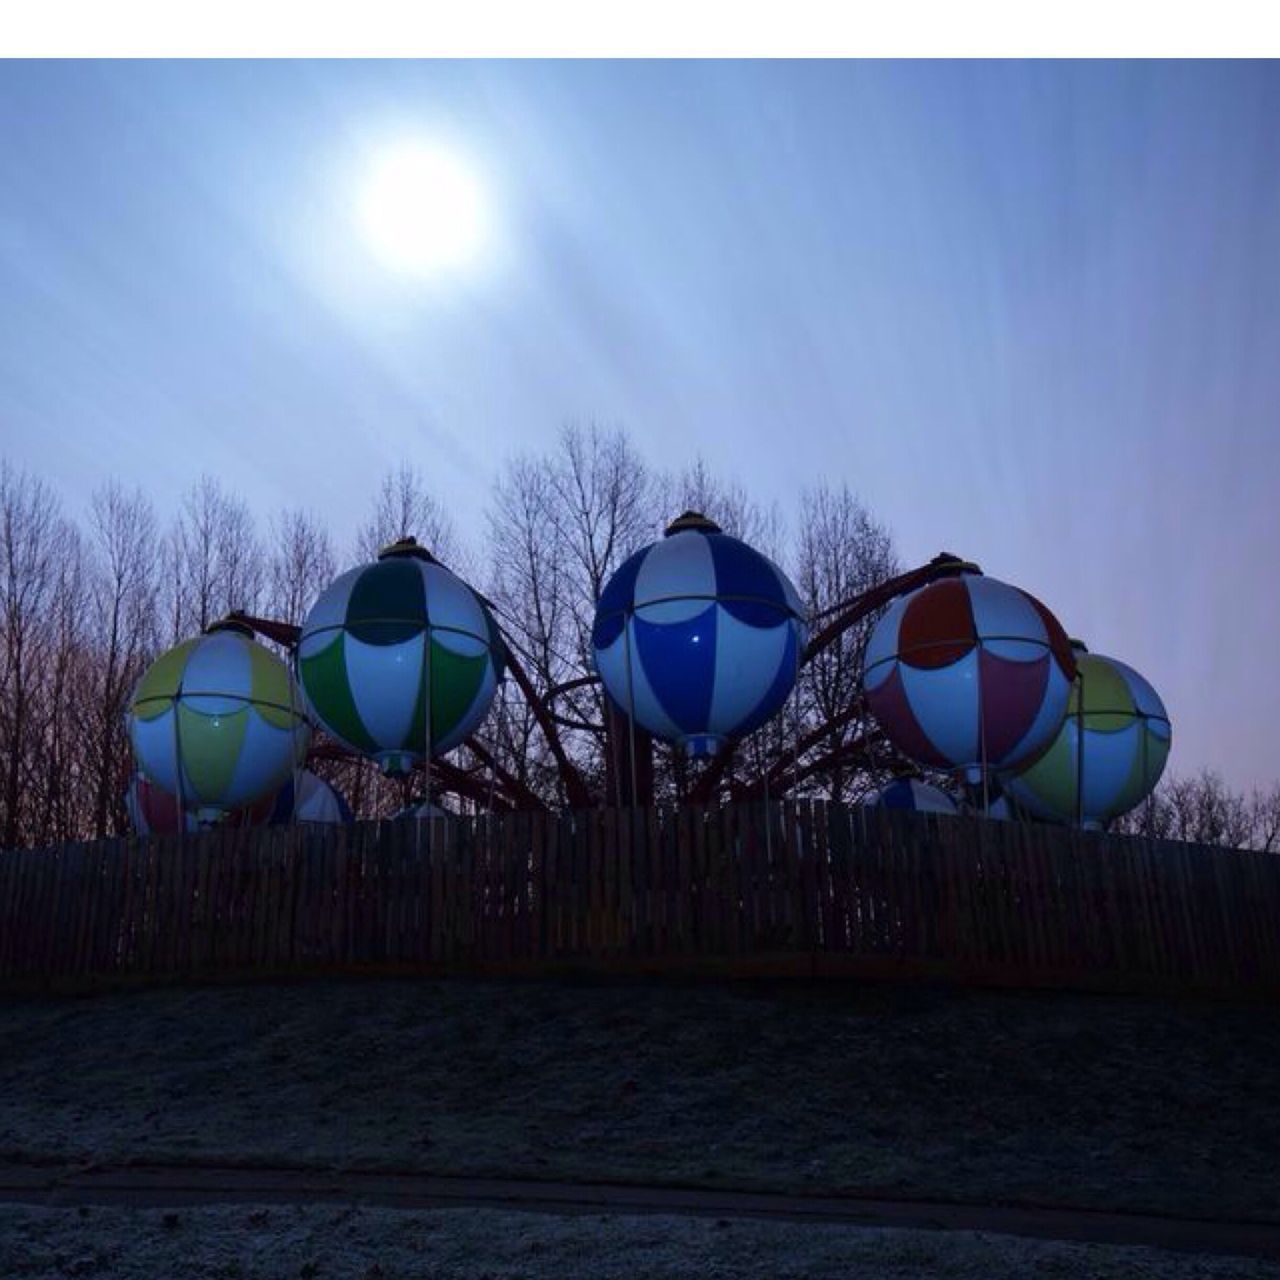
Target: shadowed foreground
[[377, 1244], [1052, 1099]]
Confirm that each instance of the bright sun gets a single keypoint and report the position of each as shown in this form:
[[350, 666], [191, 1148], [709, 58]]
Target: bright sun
[[422, 209]]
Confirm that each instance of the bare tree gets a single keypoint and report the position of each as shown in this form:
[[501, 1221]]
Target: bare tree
[[842, 552], [302, 564], [215, 559], [603, 504], [242, 559], [1264, 807], [528, 584], [404, 507], [560, 525], [123, 593], [602, 510], [697, 488], [32, 540], [1203, 809], [60, 769], [1152, 818]]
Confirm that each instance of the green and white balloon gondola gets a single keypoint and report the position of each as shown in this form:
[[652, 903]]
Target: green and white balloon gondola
[[217, 723], [400, 660]]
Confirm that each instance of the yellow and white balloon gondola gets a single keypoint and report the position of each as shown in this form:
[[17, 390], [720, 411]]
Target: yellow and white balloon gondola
[[217, 722]]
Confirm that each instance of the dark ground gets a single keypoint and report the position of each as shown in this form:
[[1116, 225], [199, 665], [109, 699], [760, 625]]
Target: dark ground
[[1061, 1100], [361, 1243]]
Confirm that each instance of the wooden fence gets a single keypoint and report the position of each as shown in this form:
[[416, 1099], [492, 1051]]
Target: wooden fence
[[806, 888]]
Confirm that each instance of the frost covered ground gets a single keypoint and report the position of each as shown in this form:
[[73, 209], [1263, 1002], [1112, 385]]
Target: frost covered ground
[[1041, 1099], [328, 1243]]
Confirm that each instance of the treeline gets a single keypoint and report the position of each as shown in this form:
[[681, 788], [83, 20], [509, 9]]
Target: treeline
[[88, 599], [1205, 810]]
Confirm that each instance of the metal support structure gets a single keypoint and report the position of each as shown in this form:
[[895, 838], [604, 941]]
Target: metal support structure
[[628, 749]]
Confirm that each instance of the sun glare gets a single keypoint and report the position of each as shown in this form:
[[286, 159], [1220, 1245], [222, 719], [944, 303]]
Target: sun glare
[[422, 210]]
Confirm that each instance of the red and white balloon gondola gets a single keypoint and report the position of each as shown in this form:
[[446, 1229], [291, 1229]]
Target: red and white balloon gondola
[[969, 674]]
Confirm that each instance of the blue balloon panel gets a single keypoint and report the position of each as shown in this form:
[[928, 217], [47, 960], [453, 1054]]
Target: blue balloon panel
[[697, 638]]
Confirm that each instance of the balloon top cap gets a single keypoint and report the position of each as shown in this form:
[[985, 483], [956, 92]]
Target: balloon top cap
[[234, 622], [949, 563], [1078, 646], [692, 520], [407, 547]]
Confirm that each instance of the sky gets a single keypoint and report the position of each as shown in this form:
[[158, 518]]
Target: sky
[[1028, 311]]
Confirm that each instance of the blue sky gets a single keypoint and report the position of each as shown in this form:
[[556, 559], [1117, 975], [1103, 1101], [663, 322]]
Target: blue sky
[[1029, 311]]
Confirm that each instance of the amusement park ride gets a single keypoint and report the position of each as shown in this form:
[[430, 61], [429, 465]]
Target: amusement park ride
[[698, 641]]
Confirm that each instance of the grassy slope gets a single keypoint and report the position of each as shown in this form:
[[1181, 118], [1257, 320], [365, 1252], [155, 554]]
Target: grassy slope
[[1107, 1103]]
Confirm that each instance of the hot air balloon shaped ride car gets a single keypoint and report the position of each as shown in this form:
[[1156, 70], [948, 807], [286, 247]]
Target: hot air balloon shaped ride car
[[217, 722], [318, 801], [698, 637], [1109, 753], [400, 659], [969, 674], [154, 812], [913, 794]]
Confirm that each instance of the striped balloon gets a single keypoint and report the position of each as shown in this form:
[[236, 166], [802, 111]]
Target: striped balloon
[[911, 794], [216, 722], [698, 637], [396, 652], [1126, 741], [319, 801], [421, 811], [969, 673], [153, 812]]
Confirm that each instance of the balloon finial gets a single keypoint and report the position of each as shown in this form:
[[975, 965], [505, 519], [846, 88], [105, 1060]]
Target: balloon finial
[[692, 520], [953, 563], [234, 622], [407, 547]]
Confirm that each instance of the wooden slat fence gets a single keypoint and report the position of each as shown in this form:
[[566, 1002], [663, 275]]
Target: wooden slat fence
[[807, 888]]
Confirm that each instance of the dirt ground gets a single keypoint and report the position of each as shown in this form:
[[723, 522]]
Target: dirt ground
[[1034, 1099], [314, 1243]]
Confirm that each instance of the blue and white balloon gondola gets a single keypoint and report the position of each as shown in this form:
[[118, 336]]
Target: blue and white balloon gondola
[[318, 801], [698, 637], [912, 795], [421, 811]]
